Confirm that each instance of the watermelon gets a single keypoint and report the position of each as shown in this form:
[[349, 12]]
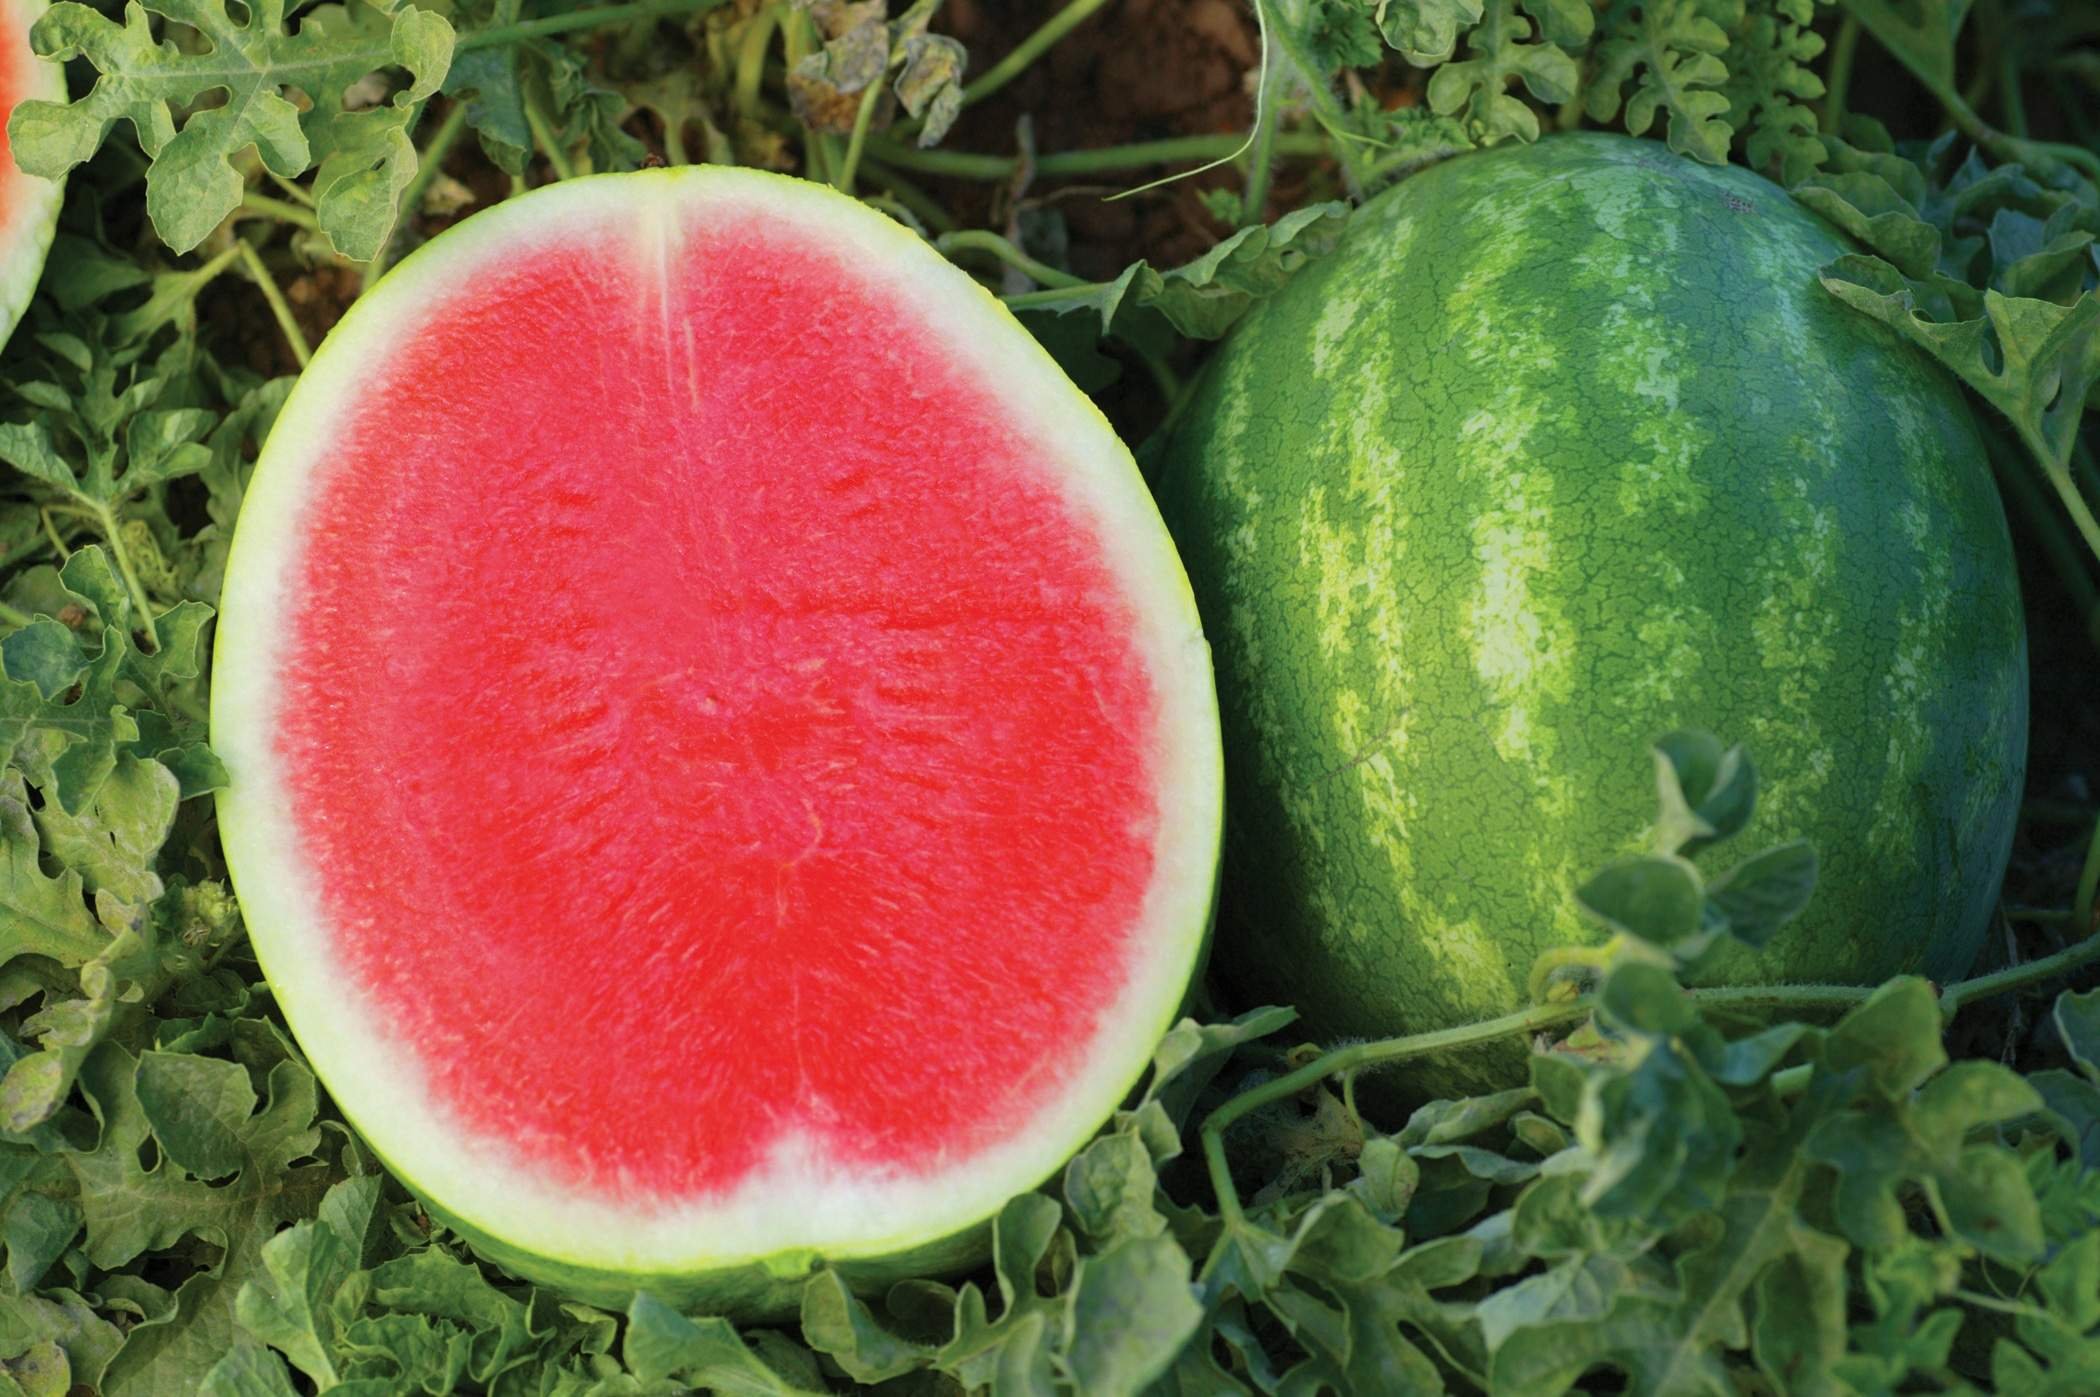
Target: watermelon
[[28, 205], [1563, 449], [724, 769]]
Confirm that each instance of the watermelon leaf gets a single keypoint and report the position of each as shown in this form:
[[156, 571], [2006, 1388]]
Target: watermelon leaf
[[1765, 892], [248, 1372], [1656, 898], [1770, 85], [1675, 46], [1498, 55], [1205, 298], [193, 183], [2077, 1019], [661, 1344]]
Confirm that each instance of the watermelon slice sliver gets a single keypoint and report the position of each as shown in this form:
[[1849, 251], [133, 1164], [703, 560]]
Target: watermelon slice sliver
[[28, 205], [724, 763]]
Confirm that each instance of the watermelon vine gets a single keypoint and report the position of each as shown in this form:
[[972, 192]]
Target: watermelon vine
[[1841, 1189]]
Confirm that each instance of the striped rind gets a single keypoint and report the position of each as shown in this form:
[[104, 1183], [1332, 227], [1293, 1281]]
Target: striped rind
[[28, 204], [744, 1254], [1564, 448]]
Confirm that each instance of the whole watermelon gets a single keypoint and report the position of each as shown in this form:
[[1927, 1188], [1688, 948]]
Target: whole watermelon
[[1563, 448]]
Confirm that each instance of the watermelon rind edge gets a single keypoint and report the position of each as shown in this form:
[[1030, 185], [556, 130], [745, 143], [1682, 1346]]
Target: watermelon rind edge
[[592, 1257], [22, 265]]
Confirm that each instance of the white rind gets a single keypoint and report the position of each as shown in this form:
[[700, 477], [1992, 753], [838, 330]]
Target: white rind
[[27, 227], [801, 1202]]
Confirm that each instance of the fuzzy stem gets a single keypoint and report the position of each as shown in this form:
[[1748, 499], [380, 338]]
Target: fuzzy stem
[[1030, 49], [983, 240], [267, 284], [58, 544], [2088, 885], [1359, 1055], [12, 616], [544, 139], [106, 520], [1542, 1017], [924, 206], [582, 19], [1838, 81], [2071, 566], [751, 47], [1065, 163], [1261, 163], [263, 206], [1957, 997], [863, 116]]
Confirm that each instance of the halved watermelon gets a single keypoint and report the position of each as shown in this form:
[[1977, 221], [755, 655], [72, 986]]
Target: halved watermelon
[[725, 770], [28, 205]]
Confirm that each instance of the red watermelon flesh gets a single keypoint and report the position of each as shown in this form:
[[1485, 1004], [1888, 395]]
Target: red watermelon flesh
[[766, 783], [723, 757]]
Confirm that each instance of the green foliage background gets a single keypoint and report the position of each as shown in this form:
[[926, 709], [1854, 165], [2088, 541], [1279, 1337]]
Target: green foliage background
[[1791, 1191]]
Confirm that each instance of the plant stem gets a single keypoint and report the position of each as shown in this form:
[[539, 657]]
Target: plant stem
[[544, 140], [581, 19], [863, 115], [58, 544], [267, 284], [263, 206], [751, 49], [2071, 566], [295, 192], [2010, 97], [12, 616], [1075, 13], [983, 240], [924, 206], [1838, 80], [1356, 1056], [1065, 163], [1326, 109], [106, 520], [1261, 160], [1538, 1019], [2039, 916], [1957, 997], [2088, 886]]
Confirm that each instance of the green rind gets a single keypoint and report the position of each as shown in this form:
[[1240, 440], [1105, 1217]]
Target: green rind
[[23, 266], [752, 1286], [1565, 447]]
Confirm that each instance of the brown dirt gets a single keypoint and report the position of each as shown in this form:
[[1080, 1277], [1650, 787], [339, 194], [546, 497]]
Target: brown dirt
[[1138, 70]]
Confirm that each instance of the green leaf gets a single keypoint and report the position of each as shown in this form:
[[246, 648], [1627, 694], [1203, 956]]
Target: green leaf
[[1922, 33], [1655, 898], [835, 1321], [249, 1372], [1769, 87], [1675, 46], [1979, 1191], [1132, 1307], [1425, 31], [193, 182], [1707, 792], [706, 1352], [2077, 1019], [39, 1229], [1894, 1038], [46, 915], [1765, 892], [1498, 55], [1205, 298], [131, 1210]]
